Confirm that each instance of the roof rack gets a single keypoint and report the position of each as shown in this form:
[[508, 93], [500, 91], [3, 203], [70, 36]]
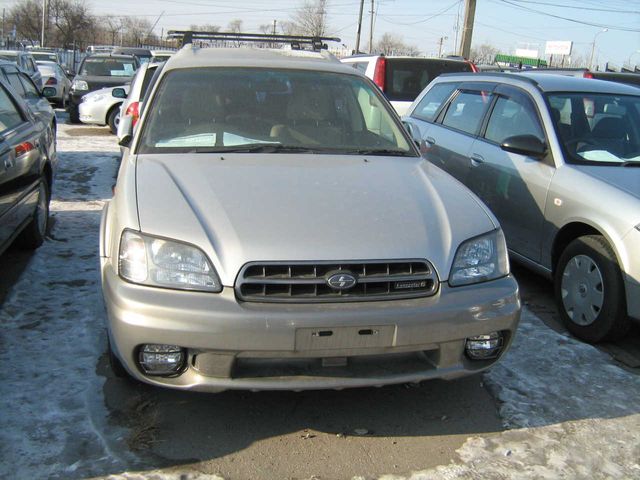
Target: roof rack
[[296, 41]]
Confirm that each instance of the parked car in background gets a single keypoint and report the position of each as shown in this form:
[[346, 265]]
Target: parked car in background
[[252, 241], [55, 77], [142, 54], [27, 90], [27, 166], [96, 72], [557, 160], [24, 61], [161, 55], [401, 79], [132, 105], [45, 56], [102, 107], [628, 78]]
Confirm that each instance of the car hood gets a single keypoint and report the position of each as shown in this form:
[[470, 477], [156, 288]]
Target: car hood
[[106, 91], [95, 83], [268, 207], [623, 178]]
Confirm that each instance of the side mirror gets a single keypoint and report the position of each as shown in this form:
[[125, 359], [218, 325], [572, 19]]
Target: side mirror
[[529, 145], [125, 130], [119, 92], [411, 130], [48, 92]]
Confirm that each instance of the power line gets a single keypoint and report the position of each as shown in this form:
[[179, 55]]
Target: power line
[[577, 7], [599, 25]]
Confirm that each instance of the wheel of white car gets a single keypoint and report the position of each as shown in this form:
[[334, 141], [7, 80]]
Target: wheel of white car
[[590, 291], [113, 119]]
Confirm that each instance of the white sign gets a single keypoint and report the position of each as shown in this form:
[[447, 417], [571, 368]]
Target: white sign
[[558, 48], [526, 52]]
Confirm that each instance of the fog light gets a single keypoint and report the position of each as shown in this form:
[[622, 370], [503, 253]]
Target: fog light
[[161, 359], [484, 347]]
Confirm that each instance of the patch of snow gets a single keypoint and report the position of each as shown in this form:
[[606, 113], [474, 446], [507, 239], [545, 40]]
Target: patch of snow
[[54, 423]]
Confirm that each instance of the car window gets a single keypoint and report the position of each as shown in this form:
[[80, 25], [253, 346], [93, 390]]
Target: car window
[[407, 77], [10, 116], [466, 111], [15, 82], [31, 65], [430, 103], [513, 116], [107, 67], [29, 87], [597, 128], [217, 109]]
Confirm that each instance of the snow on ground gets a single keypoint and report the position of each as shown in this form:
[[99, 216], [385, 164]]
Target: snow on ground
[[571, 412], [585, 414], [53, 329]]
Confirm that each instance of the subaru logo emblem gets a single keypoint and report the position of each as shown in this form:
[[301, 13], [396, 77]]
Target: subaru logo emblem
[[341, 281]]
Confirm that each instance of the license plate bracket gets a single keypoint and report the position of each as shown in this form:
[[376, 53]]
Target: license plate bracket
[[339, 338]]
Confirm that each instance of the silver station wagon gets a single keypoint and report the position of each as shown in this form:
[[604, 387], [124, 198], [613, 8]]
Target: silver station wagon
[[557, 159], [274, 227]]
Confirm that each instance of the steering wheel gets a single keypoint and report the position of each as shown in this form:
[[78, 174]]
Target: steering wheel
[[575, 142]]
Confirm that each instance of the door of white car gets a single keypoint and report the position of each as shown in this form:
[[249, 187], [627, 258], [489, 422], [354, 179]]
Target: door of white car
[[514, 186]]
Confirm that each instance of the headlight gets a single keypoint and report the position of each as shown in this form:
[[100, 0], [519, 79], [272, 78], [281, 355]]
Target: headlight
[[79, 85], [93, 98], [159, 262], [480, 259]]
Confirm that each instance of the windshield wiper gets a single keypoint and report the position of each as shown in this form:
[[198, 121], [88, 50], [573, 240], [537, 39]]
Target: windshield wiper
[[631, 163], [381, 151], [257, 148]]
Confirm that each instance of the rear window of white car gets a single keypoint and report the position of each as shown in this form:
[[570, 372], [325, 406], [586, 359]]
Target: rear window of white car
[[258, 109]]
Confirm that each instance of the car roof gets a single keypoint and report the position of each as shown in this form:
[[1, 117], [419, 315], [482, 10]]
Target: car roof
[[111, 55], [131, 50], [366, 56], [10, 53], [189, 57], [7, 63], [549, 82]]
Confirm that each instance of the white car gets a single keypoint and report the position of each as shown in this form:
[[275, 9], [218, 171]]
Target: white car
[[102, 107]]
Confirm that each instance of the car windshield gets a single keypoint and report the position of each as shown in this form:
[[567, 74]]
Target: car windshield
[[52, 57], [108, 67], [267, 110], [598, 128]]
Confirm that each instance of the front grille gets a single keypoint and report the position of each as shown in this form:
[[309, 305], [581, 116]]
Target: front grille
[[306, 282]]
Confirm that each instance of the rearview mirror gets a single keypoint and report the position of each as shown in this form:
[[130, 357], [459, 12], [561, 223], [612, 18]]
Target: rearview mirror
[[119, 92], [525, 145], [125, 130], [408, 126]]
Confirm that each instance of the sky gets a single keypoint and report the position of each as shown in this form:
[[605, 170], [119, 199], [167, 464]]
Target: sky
[[505, 24]]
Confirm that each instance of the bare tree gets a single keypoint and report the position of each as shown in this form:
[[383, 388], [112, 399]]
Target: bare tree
[[113, 26], [136, 30], [484, 53], [71, 21], [393, 44], [26, 16], [309, 19], [235, 26]]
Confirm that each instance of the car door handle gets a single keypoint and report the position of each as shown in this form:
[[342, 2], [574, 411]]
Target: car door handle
[[476, 160], [430, 140]]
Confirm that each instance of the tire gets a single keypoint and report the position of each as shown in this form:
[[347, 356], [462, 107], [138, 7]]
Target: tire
[[74, 114], [113, 119], [114, 362], [33, 235], [590, 291], [63, 101]]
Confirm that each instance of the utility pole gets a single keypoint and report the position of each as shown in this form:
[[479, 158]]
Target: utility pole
[[359, 27], [441, 41], [467, 29], [44, 16], [371, 30], [274, 27]]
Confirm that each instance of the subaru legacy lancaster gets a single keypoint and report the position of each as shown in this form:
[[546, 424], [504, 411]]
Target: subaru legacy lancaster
[[274, 227]]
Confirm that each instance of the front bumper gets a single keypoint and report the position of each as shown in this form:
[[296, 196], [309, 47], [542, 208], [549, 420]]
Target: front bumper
[[257, 346], [92, 113]]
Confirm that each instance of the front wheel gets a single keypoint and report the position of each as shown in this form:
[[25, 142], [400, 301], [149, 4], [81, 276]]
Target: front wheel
[[113, 119], [590, 291], [74, 114]]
